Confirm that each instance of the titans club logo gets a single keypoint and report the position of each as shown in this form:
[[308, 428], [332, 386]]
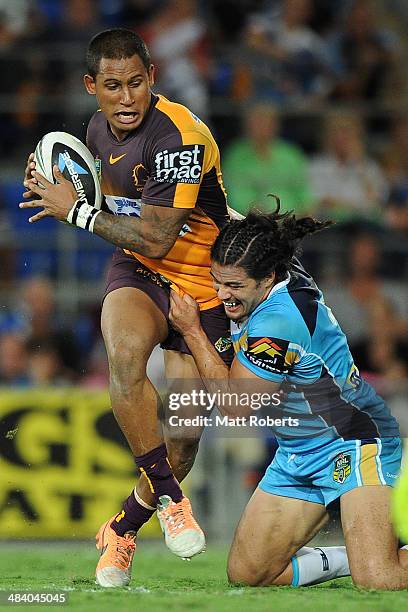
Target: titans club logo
[[268, 353]]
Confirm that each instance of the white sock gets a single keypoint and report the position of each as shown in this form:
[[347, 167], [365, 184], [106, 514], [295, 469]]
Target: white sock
[[315, 565]]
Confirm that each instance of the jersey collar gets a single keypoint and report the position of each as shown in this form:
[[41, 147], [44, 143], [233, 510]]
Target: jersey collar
[[274, 290], [277, 287]]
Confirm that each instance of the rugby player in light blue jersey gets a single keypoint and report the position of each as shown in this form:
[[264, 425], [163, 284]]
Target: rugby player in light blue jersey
[[346, 443]]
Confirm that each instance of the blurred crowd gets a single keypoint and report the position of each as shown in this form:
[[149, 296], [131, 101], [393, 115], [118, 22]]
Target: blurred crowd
[[307, 101], [39, 346]]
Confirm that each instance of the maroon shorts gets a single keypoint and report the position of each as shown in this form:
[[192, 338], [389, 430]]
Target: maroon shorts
[[126, 271]]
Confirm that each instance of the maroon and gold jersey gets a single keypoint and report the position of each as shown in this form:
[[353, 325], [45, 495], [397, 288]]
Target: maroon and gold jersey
[[171, 159]]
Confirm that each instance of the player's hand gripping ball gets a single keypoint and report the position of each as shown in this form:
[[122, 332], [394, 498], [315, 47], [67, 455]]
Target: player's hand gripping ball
[[75, 162], [62, 171]]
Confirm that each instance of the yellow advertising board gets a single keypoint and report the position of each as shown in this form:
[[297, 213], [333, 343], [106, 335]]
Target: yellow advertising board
[[64, 467]]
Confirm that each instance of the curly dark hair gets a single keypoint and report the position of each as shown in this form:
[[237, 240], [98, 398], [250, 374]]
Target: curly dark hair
[[263, 243], [116, 43]]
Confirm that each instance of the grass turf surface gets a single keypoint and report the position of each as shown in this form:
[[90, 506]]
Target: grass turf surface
[[162, 582]]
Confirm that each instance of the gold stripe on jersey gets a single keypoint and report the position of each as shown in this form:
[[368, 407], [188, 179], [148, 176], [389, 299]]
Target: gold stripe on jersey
[[368, 465]]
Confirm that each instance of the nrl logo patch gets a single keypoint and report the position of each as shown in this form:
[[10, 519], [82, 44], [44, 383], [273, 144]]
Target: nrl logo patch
[[342, 468], [223, 344]]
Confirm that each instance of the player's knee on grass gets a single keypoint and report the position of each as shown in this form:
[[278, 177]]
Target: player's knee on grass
[[238, 574], [379, 574], [371, 581], [242, 571], [373, 576]]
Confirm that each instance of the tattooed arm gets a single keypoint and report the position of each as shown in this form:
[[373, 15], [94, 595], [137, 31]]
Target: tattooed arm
[[151, 235]]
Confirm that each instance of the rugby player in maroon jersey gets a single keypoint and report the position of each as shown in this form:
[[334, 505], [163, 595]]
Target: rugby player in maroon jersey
[[161, 178]]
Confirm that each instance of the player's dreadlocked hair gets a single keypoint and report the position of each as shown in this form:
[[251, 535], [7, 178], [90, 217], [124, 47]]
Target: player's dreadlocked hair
[[116, 43], [263, 243]]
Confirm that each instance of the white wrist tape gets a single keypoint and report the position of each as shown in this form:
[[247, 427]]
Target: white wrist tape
[[83, 215]]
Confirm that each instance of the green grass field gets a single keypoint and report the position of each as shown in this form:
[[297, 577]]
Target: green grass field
[[162, 582]]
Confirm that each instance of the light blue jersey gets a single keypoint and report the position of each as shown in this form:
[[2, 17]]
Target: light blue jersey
[[292, 338]]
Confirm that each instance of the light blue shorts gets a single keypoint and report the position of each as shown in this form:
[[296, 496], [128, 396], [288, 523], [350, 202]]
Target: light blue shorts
[[324, 475]]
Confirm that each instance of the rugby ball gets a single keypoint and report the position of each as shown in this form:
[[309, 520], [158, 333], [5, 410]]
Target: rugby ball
[[74, 160]]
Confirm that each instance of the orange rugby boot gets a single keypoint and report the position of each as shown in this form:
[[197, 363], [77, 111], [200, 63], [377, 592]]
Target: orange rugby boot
[[115, 563], [183, 536]]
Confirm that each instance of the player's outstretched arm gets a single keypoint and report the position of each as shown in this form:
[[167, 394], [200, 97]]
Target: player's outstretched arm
[[184, 316], [230, 384], [151, 235]]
